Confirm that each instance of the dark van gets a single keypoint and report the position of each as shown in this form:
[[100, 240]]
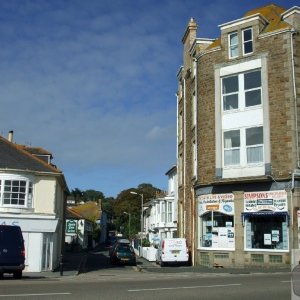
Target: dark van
[[12, 252]]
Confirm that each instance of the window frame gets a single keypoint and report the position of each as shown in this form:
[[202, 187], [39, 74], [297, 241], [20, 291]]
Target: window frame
[[248, 41], [9, 187], [241, 92], [233, 47], [243, 148]]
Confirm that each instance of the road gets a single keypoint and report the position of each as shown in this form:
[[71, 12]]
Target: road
[[103, 281], [128, 284]]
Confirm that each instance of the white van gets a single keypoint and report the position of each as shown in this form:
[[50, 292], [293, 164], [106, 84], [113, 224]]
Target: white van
[[172, 250]]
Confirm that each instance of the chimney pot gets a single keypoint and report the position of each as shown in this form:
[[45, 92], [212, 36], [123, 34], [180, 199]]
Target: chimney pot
[[10, 136]]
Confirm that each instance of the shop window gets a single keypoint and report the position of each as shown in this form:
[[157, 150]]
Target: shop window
[[267, 232], [217, 230]]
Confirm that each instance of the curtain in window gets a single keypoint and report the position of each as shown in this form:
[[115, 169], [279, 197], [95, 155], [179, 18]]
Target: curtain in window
[[255, 154]]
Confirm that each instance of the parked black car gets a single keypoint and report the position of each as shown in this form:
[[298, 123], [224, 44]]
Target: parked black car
[[123, 254], [12, 251]]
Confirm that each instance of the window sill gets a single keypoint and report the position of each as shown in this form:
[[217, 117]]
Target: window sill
[[10, 209]]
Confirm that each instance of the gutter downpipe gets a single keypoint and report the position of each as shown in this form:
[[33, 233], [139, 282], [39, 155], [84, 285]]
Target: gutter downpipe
[[194, 216], [293, 31], [184, 156]]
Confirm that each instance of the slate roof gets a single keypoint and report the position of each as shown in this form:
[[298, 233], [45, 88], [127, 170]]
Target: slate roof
[[13, 156]]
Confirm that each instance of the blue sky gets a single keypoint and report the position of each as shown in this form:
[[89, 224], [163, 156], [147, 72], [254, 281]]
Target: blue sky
[[94, 82]]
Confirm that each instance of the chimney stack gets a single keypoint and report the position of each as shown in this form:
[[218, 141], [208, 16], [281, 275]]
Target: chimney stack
[[10, 136]]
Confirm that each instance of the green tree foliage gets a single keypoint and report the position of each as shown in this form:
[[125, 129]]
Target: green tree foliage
[[131, 204]]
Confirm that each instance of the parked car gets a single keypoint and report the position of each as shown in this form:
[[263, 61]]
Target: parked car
[[172, 251], [123, 253], [12, 251], [117, 241]]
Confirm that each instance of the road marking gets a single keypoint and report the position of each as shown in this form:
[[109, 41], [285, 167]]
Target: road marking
[[32, 295], [186, 287]]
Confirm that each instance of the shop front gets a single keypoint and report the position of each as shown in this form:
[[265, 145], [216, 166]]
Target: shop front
[[216, 222], [266, 221]]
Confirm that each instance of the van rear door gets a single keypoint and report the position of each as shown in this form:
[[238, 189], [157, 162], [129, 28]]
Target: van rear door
[[11, 246]]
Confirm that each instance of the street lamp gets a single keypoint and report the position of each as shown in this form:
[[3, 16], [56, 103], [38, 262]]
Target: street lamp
[[126, 213], [142, 216]]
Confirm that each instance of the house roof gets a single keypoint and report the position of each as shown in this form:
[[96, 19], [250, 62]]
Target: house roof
[[14, 157], [36, 150], [273, 15]]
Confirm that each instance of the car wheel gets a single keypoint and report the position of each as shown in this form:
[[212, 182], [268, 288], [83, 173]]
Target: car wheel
[[18, 274], [1, 275]]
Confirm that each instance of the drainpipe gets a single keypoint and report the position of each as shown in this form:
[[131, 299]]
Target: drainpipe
[[293, 31], [184, 156]]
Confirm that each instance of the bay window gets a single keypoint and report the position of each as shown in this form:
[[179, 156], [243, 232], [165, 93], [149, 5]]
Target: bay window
[[243, 146], [242, 90]]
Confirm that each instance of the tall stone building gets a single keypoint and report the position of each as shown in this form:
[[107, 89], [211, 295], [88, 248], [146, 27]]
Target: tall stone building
[[238, 140]]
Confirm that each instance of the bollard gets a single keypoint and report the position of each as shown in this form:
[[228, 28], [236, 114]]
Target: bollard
[[61, 265]]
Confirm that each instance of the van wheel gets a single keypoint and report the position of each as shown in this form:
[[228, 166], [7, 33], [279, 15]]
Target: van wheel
[[18, 274], [1, 275]]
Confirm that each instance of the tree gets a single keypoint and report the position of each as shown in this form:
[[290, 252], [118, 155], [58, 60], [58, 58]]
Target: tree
[[130, 203]]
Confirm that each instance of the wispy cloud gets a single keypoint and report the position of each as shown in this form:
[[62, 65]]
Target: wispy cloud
[[94, 82]]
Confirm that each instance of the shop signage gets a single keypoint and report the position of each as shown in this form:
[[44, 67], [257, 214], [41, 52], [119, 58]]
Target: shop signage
[[216, 202], [272, 200], [71, 226]]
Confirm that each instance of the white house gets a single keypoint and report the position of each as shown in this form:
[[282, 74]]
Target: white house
[[32, 195], [160, 216]]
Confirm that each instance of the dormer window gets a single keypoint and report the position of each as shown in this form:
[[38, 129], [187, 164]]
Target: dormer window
[[233, 45], [247, 41]]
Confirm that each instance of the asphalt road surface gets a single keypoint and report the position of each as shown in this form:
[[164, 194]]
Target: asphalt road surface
[[128, 284]]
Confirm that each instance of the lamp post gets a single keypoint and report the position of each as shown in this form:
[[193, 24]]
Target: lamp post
[[142, 216], [126, 213]]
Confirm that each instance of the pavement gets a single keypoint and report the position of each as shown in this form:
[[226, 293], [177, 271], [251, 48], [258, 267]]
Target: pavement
[[76, 264]]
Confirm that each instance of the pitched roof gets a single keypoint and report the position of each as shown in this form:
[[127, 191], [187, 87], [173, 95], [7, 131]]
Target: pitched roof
[[13, 156], [272, 13]]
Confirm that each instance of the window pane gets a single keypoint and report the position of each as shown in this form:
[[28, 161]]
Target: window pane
[[252, 80], [255, 154], [253, 98], [232, 157], [248, 42], [232, 139], [248, 47], [233, 45], [230, 84], [247, 34], [230, 102], [254, 136], [233, 39]]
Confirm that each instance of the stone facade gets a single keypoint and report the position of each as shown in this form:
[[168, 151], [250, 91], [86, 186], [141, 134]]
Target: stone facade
[[276, 56]]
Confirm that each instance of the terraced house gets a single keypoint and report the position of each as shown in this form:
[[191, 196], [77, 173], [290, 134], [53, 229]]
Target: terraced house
[[33, 196], [238, 140]]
